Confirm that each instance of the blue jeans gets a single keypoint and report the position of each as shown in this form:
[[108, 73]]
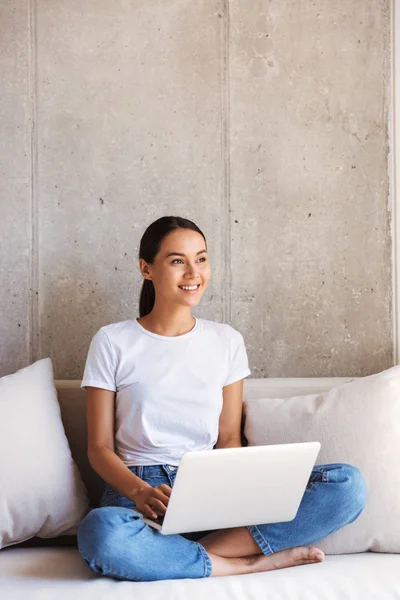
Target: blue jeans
[[113, 540]]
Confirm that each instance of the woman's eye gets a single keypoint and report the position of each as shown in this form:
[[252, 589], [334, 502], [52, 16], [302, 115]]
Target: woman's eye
[[203, 258]]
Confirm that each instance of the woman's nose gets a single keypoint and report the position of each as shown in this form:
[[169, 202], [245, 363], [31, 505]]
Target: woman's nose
[[192, 269]]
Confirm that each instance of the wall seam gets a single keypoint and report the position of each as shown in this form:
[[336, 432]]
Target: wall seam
[[393, 165], [33, 319], [226, 177]]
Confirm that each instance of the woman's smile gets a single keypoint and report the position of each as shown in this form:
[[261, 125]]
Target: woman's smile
[[191, 290]]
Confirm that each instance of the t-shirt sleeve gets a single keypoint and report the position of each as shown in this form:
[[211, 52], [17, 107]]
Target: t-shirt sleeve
[[239, 364], [100, 364]]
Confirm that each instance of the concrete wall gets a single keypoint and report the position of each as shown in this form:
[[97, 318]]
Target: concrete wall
[[265, 122]]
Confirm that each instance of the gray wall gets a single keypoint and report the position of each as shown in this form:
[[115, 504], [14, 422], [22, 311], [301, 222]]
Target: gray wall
[[265, 122]]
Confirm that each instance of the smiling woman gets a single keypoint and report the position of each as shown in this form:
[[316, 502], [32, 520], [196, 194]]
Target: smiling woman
[[159, 386], [174, 263]]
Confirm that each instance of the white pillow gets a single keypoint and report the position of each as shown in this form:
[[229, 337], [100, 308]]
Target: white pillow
[[357, 423], [41, 491]]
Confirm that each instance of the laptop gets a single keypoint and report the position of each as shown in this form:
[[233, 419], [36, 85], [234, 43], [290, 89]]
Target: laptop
[[233, 487]]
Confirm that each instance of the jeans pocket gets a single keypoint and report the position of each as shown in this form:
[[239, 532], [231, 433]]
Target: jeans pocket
[[156, 480], [316, 475]]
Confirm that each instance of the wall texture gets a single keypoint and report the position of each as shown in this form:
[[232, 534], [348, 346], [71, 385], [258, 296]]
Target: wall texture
[[265, 122]]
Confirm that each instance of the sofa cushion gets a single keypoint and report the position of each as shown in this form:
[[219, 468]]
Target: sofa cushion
[[357, 423], [72, 402], [61, 574], [41, 491]]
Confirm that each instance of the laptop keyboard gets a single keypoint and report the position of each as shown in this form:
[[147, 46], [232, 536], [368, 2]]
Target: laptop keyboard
[[158, 521]]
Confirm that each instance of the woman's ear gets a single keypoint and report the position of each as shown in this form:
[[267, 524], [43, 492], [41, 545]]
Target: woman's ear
[[144, 268]]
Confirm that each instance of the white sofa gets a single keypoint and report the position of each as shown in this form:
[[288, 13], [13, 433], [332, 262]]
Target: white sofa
[[53, 569]]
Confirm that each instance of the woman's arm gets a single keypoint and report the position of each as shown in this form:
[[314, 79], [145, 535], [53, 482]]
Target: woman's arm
[[231, 416], [101, 455]]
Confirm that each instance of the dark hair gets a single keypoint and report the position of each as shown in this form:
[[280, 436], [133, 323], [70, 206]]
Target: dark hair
[[149, 248]]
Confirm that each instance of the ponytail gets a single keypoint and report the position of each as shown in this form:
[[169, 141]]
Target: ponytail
[[147, 298]]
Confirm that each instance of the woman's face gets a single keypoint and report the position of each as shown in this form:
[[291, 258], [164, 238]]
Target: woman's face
[[181, 261]]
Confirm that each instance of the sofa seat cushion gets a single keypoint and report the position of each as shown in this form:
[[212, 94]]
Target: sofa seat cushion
[[61, 574]]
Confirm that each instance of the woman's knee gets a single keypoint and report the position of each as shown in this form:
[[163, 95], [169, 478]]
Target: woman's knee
[[93, 530], [354, 491], [99, 533]]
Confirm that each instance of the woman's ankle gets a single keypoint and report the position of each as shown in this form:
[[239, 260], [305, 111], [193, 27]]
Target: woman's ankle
[[222, 566]]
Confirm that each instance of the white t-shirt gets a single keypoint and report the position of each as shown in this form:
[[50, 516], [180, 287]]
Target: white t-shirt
[[168, 389]]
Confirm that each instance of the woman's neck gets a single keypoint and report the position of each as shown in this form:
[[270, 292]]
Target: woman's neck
[[171, 325]]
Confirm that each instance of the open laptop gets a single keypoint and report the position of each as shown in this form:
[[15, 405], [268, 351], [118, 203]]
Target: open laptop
[[233, 487]]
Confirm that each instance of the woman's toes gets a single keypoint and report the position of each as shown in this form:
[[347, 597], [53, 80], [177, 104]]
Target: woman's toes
[[315, 554], [305, 554]]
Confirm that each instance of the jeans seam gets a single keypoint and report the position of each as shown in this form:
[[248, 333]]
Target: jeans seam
[[167, 473], [260, 539]]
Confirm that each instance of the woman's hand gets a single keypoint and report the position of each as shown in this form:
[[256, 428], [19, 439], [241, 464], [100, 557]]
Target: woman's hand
[[152, 501]]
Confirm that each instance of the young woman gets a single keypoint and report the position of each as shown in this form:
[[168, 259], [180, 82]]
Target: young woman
[[168, 383]]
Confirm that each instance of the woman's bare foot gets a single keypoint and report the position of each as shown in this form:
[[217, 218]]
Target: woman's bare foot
[[292, 557], [257, 563]]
